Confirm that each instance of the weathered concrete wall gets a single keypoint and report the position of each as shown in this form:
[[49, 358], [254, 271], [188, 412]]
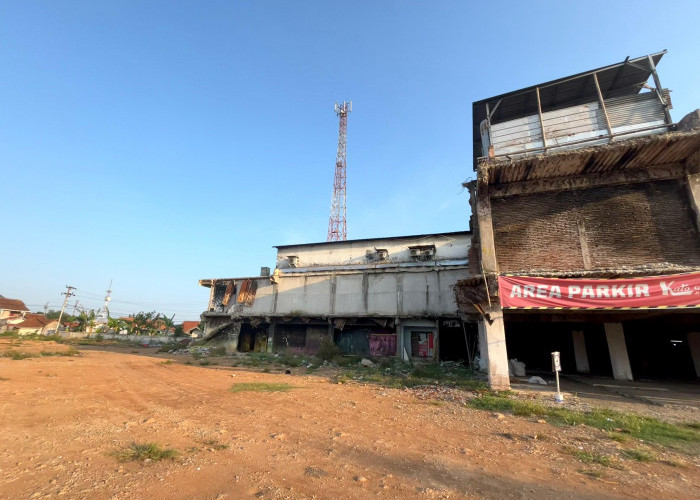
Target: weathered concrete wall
[[451, 246], [141, 339], [421, 293]]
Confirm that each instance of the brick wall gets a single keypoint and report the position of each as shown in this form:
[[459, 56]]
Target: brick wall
[[623, 226]]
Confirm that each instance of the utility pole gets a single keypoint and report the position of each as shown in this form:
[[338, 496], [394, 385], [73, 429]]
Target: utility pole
[[46, 308], [68, 293], [337, 225]]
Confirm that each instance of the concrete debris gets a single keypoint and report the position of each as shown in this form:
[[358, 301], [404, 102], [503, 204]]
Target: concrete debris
[[191, 351], [537, 380], [366, 362], [516, 368], [434, 392]]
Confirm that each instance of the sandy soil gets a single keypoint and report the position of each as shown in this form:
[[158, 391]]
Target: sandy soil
[[63, 417]]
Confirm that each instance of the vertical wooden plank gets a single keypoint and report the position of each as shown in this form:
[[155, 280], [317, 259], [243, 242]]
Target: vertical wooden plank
[[602, 105]]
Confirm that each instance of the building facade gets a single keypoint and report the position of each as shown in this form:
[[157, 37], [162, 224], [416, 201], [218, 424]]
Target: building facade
[[371, 297], [586, 182]]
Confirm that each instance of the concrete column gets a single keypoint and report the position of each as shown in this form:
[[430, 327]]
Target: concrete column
[[580, 353], [693, 185], [271, 336], [694, 344], [492, 334], [497, 356], [483, 351], [692, 182], [618, 351]]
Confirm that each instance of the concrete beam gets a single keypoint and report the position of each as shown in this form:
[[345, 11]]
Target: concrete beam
[[588, 181], [580, 352], [694, 344], [618, 351]]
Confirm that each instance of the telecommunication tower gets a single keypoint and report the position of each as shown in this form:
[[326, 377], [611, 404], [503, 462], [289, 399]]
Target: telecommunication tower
[[337, 229]]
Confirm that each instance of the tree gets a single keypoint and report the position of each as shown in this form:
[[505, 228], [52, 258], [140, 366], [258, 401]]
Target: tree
[[52, 314], [166, 322], [116, 325], [144, 323], [86, 320]]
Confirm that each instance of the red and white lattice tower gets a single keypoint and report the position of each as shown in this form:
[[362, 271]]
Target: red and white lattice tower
[[337, 229]]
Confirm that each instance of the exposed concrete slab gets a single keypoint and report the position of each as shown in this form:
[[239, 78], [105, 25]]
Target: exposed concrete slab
[[618, 351]]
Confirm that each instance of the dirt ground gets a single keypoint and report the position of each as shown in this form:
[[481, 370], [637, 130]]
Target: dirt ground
[[64, 417]]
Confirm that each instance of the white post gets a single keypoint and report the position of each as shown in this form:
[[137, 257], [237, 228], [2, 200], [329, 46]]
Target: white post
[[556, 368]]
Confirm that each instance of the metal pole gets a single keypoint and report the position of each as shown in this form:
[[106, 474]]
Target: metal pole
[[466, 341], [659, 90], [68, 294], [558, 397]]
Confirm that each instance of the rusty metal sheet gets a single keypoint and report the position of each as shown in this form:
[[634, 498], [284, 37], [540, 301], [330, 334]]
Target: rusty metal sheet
[[246, 296], [227, 294]]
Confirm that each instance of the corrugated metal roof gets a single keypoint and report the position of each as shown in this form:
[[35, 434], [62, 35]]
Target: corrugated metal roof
[[616, 80], [660, 149]]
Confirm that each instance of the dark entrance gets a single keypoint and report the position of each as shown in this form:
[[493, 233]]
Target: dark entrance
[[252, 339], [454, 337], [658, 347]]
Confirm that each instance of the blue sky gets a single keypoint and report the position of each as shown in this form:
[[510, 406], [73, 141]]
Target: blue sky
[[157, 143]]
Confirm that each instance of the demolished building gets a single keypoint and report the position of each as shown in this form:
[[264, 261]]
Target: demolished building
[[586, 220], [372, 297]]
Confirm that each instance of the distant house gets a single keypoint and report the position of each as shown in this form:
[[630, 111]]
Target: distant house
[[32, 324], [191, 329], [12, 308]]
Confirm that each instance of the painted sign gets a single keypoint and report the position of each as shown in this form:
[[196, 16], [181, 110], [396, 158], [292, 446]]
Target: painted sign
[[556, 361], [651, 292]]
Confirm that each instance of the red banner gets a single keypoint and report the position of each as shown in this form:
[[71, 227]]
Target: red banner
[[653, 292]]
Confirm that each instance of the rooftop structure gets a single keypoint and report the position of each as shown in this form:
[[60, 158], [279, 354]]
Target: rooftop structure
[[590, 108]]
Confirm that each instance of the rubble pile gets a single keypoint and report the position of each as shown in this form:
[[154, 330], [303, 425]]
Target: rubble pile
[[191, 351], [440, 393]]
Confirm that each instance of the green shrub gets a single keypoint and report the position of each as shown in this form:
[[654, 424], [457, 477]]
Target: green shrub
[[217, 351], [145, 451], [17, 355], [328, 351]]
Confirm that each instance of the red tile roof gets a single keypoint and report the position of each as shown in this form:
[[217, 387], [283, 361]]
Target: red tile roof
[[188, 326], [33, 321], [12, 304]]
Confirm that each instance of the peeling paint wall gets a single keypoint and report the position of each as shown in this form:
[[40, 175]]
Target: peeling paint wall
[[379, 293], [450, 246]]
